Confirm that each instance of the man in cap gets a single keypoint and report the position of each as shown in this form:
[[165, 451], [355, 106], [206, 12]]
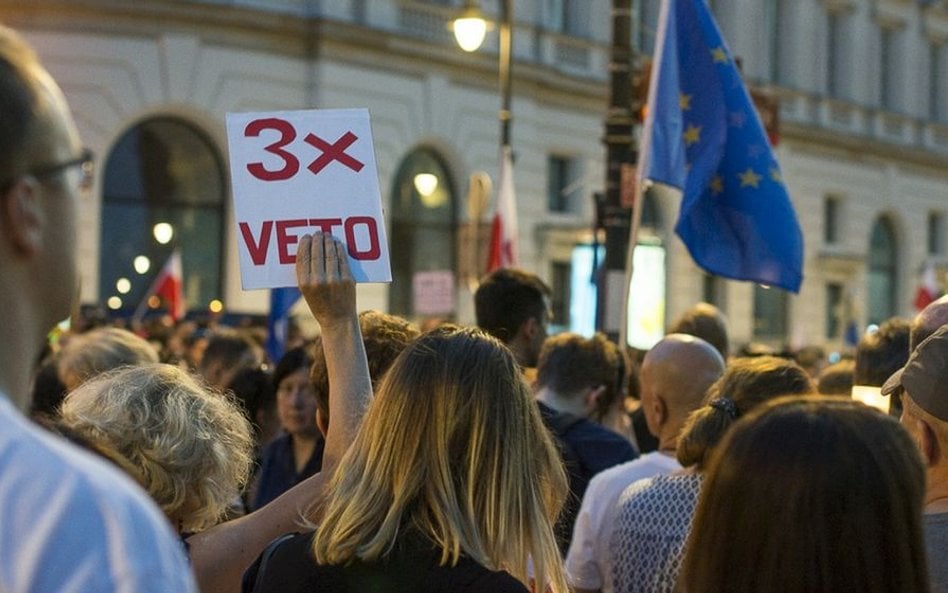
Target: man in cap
[[922, 385]]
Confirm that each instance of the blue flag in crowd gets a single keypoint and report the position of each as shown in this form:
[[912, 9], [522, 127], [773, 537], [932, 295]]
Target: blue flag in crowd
[[278, 322], [703, 136]]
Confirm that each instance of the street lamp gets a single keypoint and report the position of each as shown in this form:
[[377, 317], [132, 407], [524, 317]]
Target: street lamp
[[470, 27]]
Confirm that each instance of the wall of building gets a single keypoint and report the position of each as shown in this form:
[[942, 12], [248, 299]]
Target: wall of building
[[121, 62]]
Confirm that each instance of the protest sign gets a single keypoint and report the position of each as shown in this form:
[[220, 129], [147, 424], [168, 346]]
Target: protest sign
[[296, 172]]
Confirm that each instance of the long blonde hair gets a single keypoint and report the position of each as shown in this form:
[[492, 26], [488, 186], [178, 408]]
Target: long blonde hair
[[453, 447]]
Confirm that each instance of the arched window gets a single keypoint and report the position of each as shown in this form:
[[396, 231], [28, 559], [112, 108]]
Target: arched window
[[423, 237], [164, 189], [882, 272]]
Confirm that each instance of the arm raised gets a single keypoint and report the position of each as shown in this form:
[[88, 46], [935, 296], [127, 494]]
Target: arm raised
[[221, 554]]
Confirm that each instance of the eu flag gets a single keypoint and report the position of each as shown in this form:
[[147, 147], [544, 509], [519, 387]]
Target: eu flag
[[278, 321], [703, 136]]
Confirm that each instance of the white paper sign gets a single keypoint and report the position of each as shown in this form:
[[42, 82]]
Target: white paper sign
[[296, 172]]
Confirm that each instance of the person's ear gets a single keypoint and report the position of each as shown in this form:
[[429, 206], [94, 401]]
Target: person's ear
[[929, 446], [21, 217], [321, 423], [659, 410], [592, 397]]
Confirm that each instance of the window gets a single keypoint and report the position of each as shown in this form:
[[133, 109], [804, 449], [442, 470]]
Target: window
[[562, 184], [834, 65], [567, 16], [889, 62], [424, 237], [834, 310], [163, 189], [560, 280], [770, 313], [882, 272], [937, 101], [714, 291], [935, 224], [831, 206], [647, 24]]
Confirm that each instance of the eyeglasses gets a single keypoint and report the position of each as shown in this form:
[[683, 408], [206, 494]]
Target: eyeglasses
[[85, 161]]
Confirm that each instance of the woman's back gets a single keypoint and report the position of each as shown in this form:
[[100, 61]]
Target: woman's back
[[413, 565]]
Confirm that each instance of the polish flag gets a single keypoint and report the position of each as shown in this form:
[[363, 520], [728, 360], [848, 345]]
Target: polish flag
[[503, 232], [928, 289], [168, 285]]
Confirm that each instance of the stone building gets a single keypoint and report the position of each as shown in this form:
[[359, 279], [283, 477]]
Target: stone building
[[862, 86]]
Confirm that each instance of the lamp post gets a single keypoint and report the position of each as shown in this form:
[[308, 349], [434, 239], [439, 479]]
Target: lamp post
[[470, 28]]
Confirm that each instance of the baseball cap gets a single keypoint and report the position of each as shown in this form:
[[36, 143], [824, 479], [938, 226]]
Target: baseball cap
[[925, 376]]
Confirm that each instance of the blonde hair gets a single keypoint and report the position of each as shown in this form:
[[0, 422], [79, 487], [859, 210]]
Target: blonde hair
[[191, 445], [86, 355], [453, 447]]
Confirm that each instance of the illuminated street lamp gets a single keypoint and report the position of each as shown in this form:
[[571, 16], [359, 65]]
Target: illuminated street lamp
[[470, 27]]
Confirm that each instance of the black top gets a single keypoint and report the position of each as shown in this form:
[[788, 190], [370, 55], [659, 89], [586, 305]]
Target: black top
[[278, 468], [411, 567], [586, 448]]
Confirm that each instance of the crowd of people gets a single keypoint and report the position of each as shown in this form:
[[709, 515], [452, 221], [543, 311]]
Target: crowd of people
[[492, 458]]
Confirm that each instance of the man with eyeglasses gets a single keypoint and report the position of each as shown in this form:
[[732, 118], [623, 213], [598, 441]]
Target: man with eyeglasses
[[68, 521]]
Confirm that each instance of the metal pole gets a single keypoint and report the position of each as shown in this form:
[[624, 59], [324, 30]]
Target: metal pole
[[619, 150], [506, 62]]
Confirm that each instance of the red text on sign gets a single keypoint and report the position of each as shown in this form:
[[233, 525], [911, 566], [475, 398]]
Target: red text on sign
[[361, 232], [331, 151]]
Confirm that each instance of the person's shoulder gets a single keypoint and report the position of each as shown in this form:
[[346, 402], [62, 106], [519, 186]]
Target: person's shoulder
[[73, 510], [619, 477]]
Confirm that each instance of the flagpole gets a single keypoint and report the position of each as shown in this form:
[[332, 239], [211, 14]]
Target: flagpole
[[620, 150]]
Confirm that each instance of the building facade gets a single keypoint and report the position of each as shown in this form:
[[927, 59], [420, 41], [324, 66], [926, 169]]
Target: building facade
[[862, 85]]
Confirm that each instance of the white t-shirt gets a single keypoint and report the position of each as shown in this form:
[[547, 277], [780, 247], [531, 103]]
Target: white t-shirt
[[71, 523], [589, 562]]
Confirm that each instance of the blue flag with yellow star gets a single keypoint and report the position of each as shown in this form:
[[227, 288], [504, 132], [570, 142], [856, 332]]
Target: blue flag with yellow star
[[704, 137]]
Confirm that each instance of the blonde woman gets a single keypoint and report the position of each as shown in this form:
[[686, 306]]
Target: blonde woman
[[451, 484], [186, 444]]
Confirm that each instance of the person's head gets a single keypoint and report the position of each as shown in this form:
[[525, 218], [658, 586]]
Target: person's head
[[86, 355], [836, 379], [514, 306], [812, 359], [295, 394], [452, 447], [586, 376], [43, 169], [928, 321], [810, 494], [923, 386], [673, 380], [707, 322], [255, 392], [190, 444], [882, 352], [228, 351], [745, 384], [384, 337]]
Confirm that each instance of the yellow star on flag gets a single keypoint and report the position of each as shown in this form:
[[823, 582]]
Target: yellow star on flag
[[684, 102], [775, 175], [749, 178], [719, 55], [717, 185], [692, 134]]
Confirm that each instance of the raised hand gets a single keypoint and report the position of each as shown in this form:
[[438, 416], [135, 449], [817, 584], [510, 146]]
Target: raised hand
[[324, 278]]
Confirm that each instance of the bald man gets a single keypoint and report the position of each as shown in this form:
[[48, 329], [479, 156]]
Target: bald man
[[928, 321], [675, 375]]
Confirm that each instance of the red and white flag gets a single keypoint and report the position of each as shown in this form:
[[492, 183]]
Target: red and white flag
[[928, 289], [168, 285], [503, 232]]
